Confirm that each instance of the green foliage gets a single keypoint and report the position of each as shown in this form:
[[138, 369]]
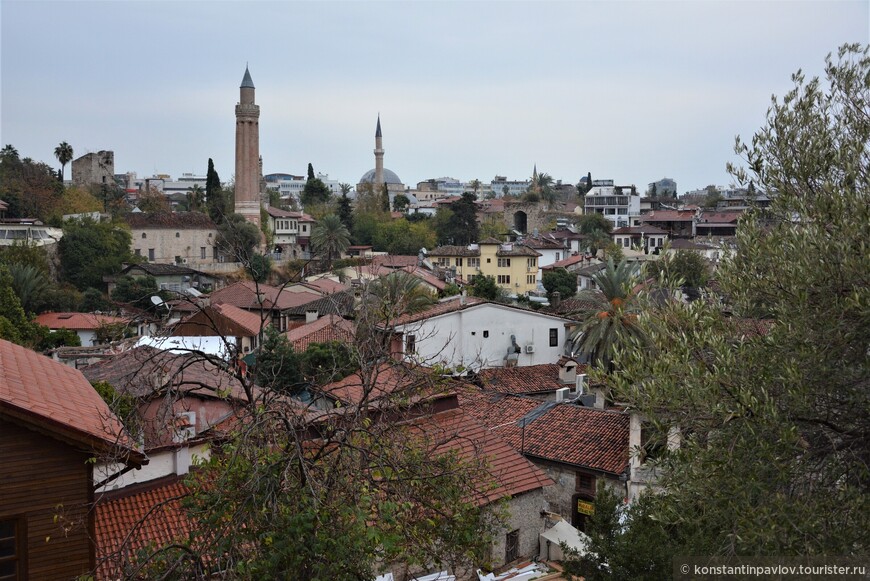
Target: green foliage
[[61, 299], [329, 238], [315, 191], [136, 291], [614, 322], [30, 285], [345, 211], [58, 338], [89, 250], [237, 238], [278, 367], [64, 154], [685, 267], [323, 363], [458, 224], [401, 203], [561, 281], [485, 287], [396, 294], [385, 198], [122, 405], [452, 289], [218, 201], [403, 237], [92, 301], [31, 188], [626, 543], [14, 324], [25, 253], [589, 224], [260, 267], [773, 459]]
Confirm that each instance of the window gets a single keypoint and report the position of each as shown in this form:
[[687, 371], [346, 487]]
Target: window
[[458, 262], [178, 234], [410, 344], [512, 546], [144, 235], [486, 334], [138, 252], [530, 279], [202, 252], [533, 262], [474, 262], [554, 337], [150, 254], [504, 279], [470, 278], [626, 242], [504, 262], [12, 550], [585, 483], [305, 227], [489, 260]]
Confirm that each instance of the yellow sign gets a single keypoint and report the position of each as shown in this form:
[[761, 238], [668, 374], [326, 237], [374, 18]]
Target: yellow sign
[[585, 507]]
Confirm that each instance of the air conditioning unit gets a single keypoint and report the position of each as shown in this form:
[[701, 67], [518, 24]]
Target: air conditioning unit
[[185, 428], [530, 349], [183, 261]]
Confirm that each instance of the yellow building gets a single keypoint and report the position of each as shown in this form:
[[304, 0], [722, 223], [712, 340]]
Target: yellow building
[[513, 266]]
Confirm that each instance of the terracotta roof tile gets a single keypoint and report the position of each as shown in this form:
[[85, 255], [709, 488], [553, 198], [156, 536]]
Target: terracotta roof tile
[[37, 390], [136, 517], [506, 472], [222, 319], [324, 329], [340, 303], [454, 251], [440, 308], [669, 216], [146, 371], [179, 220], [563, 432], [326, 286], [77, 321], [520, 380], [244, 295]]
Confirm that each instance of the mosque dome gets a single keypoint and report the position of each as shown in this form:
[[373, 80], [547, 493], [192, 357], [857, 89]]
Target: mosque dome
[[389, 176]]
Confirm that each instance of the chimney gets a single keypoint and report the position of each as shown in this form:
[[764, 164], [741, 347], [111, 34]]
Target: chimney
[[567, 371], [462, 297], [310, 316], [555, 299], [181, 460], [581, 383]]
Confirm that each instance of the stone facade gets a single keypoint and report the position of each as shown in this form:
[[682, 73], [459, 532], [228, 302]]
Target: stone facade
[[94, 168], [178, 238], [524, 515], [562, 496]]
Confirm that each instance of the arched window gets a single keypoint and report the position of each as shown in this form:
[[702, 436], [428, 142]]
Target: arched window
[[143, 235], [178, 234]]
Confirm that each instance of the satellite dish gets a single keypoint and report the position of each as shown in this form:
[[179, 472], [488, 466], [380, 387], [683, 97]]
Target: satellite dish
[[156, 300]]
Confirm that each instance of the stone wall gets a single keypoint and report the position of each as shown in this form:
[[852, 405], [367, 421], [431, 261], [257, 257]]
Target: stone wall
[[524, 514], [168, 243], [94, 168]]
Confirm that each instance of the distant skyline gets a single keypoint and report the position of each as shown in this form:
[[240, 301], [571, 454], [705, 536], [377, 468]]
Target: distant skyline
[[629, 91]]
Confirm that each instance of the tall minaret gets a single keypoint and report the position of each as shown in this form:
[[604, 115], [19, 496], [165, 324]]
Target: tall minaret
[[378, 184], [248, 153]]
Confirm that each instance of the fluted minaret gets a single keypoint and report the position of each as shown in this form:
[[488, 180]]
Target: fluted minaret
[[378, 184], [248, 153]]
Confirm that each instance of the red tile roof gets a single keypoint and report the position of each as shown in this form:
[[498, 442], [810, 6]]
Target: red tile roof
[[384, 381], [180, 220], [326, 286], [505, 472], [324, 329], [221, 319], [135, 518], [440, 308], [669, 216], [565, 262], [454, 251], [59, 399], [77, 321], [244, 295], [520, 380], [148, 372], [644, 229], [563, 432]]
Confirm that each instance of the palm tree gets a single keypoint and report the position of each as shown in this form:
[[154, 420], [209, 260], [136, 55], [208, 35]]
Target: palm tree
[[64, 154], [195, 198], [544, 186], [330, 238], [397, 294], [30, 284], [9, 152], [612, 321]]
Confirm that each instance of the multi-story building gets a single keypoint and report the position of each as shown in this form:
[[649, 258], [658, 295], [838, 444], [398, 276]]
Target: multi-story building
[[291, 231], [94, 169], [513, 266], [174, 238], [619, 204], [501, 186], [665, 187]]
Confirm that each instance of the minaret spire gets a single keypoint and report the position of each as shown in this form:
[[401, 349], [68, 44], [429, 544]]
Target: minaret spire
[[378, 183]]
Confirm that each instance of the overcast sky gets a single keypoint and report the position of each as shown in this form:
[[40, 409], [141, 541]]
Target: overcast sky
[[632, 91]]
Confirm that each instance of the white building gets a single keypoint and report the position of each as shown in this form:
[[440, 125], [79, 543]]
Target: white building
[[619, 204], [470, 333], [514, 187]]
